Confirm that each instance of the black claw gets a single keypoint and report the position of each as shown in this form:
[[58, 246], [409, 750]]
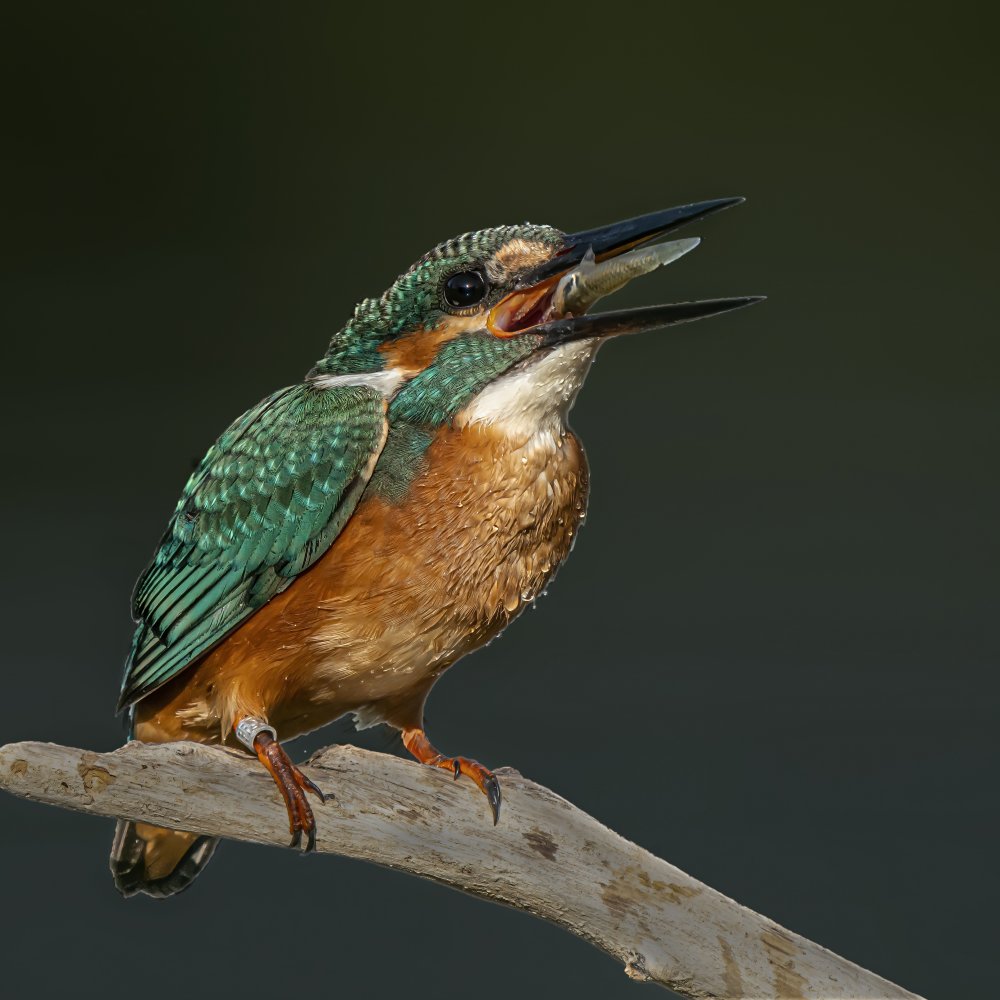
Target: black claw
[[457, 767], [296, 839], [314, 788], [311, 840], [494, 797]]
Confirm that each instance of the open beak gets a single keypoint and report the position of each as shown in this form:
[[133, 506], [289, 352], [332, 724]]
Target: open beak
[[551, 299]]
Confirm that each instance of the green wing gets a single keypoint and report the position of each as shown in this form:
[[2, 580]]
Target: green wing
[[266, 502]]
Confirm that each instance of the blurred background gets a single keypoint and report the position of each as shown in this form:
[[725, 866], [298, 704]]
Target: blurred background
[[772, 658]]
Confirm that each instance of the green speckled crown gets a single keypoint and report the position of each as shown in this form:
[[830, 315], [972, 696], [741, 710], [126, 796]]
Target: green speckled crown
[[412, 299]]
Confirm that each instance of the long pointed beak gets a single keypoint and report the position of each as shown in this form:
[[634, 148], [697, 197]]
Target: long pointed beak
[[551, 300], [623, 321], [617, 238]]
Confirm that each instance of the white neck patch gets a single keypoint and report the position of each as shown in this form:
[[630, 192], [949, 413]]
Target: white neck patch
[[386, 382], [535, 398]]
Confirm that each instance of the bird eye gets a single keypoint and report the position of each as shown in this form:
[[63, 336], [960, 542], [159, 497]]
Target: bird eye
[[465, 288]]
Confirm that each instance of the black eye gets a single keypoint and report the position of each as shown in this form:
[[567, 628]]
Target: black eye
[[465, 288]]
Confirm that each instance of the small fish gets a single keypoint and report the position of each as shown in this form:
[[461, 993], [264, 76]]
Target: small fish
[[579, 289]]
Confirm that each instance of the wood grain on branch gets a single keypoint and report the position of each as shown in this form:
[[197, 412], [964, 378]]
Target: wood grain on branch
[[545, 857]]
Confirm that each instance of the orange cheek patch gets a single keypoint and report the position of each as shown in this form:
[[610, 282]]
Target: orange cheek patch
[[415, 351]]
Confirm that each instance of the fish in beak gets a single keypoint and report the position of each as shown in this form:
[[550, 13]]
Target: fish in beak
[[551, 300]]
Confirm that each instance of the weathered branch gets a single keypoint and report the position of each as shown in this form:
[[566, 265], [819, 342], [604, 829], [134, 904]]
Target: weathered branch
[[546, 856]]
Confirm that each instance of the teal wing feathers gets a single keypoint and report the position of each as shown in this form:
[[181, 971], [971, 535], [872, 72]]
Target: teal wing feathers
[[265, 503]]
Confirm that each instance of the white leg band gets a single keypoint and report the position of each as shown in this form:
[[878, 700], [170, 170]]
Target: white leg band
[[248, 729]]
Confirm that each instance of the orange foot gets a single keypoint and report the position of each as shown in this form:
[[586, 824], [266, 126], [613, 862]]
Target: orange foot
[[415, 740], [291, 782]]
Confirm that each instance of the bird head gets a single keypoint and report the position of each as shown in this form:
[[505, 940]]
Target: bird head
[[493, 326]]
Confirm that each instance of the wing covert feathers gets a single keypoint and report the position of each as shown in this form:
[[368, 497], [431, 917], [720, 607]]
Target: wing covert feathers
[[265, 503]]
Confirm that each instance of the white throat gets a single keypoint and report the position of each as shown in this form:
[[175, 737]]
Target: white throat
[[536, 397]]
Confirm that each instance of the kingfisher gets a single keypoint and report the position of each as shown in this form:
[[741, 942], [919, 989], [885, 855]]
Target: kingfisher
[[349, 538]]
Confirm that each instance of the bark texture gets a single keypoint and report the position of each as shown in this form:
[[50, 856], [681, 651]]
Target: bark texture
[[545, 857]]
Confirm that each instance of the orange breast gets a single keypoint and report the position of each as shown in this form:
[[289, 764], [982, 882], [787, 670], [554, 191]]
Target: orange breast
[[405, 590]]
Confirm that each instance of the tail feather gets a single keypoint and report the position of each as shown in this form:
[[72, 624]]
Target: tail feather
[[156, 861]]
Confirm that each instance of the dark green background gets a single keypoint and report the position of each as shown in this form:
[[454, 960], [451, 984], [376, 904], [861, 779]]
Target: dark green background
[[772, 657]]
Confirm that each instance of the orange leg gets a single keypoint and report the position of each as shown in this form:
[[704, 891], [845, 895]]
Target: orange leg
[[415, 740], [291, 782]]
